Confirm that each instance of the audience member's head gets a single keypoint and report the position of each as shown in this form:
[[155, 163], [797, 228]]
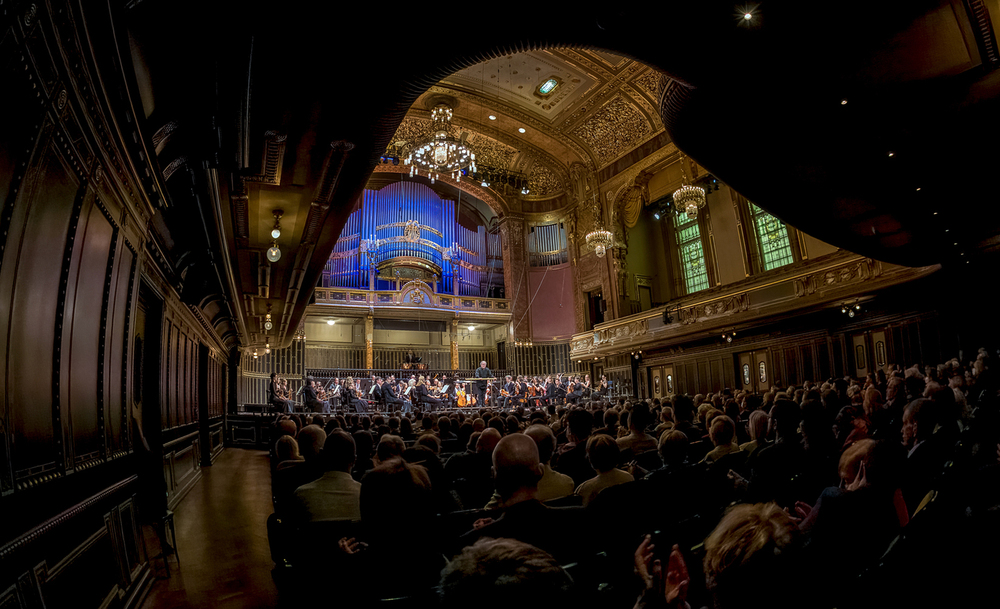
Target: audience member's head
[[723, 431], [673, 447], [311, 439], [516, 467], [287, 449], [545, 439], [752, 544], [580, 423], [430, 441], [503, 573], [389, 447], [488, 441], [339, 452], [603, 452]]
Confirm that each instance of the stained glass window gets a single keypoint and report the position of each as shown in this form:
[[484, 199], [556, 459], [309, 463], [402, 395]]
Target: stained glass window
[[772, 239], [692, 256]]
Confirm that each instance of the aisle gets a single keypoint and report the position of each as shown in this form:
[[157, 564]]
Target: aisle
[[221, 539]]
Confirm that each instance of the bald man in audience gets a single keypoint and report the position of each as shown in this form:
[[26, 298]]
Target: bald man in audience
[[517, 472]]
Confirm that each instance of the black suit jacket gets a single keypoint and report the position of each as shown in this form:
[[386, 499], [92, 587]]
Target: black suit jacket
[[480, 374], [308, 394]]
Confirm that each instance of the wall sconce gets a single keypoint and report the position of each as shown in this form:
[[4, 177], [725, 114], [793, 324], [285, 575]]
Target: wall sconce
[[851, 310]]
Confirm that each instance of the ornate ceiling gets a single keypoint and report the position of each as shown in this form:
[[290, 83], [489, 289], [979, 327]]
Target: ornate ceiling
[[603, 108]]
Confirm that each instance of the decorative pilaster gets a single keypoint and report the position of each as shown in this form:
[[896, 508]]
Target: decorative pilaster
[[369, 336], [515, 274], [453, 337]]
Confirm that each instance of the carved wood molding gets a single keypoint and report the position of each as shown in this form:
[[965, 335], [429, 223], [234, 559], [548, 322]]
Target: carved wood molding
[[33, 535]]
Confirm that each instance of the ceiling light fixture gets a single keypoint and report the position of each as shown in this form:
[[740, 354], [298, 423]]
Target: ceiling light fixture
[[439, 152], [520, 129], [687, 197], [267, 348], [493, 118], [472, 328], [274, 252], [748, 16], [276, 231], [330, 322], [600, 239]]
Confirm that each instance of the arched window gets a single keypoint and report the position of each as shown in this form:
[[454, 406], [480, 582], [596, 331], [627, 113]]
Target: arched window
[[690, 252], [773, 243]]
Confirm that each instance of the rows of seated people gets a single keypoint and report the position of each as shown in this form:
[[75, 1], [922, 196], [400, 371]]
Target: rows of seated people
[[840, 494]]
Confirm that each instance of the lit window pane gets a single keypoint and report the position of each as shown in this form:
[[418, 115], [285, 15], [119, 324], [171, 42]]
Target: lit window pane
[[772, 238], [691, 254]]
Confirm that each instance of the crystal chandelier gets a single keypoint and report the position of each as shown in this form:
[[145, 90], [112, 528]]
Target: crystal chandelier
[[599, 238], [687, 197], [440, 153]]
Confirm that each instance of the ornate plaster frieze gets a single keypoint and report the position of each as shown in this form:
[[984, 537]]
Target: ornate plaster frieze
[[523, 117], [614, 129], [862, 270], [726, 306]]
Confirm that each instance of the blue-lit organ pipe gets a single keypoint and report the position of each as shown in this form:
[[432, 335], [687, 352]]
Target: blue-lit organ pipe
[[342, 269], [383, 214]]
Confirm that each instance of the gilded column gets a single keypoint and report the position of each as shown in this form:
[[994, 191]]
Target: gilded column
[[453, 336], [369, 336]]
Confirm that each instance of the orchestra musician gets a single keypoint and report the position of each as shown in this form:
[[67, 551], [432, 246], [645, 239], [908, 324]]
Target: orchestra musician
[[390, 394], [424, 396], [602, 387], [406, 394], [574, 391], [508, 393], [334, 394], [275, 397], [353, 397]]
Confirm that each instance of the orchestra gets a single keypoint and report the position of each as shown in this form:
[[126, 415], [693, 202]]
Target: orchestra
[[374, 393]]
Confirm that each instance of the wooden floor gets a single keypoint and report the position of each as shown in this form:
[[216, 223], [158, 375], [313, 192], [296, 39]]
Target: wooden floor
[[221, 539]]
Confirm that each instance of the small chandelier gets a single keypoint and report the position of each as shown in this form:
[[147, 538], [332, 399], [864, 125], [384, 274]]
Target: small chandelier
[[439, 152], [690, 199], [599, 238], [687, 197]]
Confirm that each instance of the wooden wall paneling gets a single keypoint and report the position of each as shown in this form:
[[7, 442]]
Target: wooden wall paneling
[[168, 418], [715, 372], [84, 342], [793, 367], [45, 209], [116, 413], [809, 372]]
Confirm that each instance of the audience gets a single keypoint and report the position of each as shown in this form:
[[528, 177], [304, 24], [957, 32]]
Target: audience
[[783, 498]]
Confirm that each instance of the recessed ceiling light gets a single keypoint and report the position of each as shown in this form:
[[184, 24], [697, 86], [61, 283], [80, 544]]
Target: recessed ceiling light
[[918, 189], [748, 16], [330, 322], [520, 130], [892, 154], [843, 102], [493, 118]]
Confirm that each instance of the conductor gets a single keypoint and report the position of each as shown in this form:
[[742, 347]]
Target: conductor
[[479, 388]]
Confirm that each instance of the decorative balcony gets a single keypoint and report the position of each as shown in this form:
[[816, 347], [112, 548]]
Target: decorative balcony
[[414, 297], [830, 281]]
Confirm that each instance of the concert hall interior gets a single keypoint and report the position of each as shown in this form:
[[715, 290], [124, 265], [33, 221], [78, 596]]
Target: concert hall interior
[[220, 217]]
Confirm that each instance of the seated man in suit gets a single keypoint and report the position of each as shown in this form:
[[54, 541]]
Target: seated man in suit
[[390, 396]]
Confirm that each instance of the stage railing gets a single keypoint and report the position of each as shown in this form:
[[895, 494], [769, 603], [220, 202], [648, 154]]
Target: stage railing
[[364, 374]]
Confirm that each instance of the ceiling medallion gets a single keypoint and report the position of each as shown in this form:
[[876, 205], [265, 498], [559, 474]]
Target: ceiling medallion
[[599, 238], [687, 197], [439, 152]]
